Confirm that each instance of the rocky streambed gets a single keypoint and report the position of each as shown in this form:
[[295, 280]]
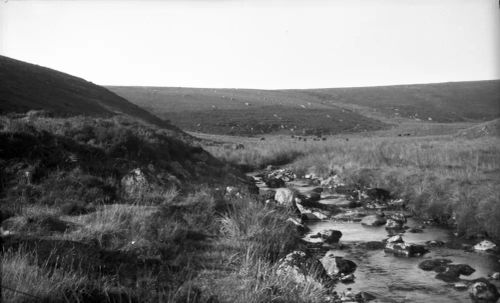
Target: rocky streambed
[[371, 249]]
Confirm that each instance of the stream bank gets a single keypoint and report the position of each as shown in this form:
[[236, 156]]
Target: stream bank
[[389, 272]]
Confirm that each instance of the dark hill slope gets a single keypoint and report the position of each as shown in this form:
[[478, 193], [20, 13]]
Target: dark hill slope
[[25, 86], [336, 110], [442, 102]]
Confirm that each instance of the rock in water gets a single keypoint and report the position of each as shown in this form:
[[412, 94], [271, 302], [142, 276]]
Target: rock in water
[[483, 291], [452, 272], [433, 264], [373, 220], [336, 266], [285, 196], [485, 245], [331, 236]]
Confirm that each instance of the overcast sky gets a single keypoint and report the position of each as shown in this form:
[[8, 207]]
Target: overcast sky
[[257, 43]]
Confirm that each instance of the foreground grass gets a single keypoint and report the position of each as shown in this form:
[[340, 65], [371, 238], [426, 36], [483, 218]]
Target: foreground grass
[[449, 179]]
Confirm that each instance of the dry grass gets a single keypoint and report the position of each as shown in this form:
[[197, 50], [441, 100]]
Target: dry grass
[[20, 272], [446, 178]]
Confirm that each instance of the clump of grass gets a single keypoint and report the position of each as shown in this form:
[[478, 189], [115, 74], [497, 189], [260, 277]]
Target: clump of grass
[[41, 283]]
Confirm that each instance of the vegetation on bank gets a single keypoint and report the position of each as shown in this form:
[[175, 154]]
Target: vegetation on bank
[[71, 225], [449, 179]]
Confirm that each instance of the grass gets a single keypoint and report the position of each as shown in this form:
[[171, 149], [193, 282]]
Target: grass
[[21, 273], [328, 111], [446, 178]]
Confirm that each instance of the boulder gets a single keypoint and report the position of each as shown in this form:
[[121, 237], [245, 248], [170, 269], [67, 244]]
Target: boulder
[[331, 236], [452, 272], [434, 264], [393, 224], [398, 247], [395, 239], [285, 196], [336, 266], [486, 246], [482, 291], [373, 220], [302, 269]]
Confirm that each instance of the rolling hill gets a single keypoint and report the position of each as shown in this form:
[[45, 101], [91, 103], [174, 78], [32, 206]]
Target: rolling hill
[[25, 86], [312, 111]]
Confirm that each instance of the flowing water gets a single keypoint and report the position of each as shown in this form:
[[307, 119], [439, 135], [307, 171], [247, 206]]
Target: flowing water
[[398, 279]]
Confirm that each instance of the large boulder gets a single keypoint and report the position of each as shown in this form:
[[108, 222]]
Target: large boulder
[[373, 220], [337, 266], [285, 196], [302, 269], [482, 291], [486, 246], [398, 247]]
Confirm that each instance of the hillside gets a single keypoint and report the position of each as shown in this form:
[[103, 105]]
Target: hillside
[[490, 128], [330, 111], [25, 86]]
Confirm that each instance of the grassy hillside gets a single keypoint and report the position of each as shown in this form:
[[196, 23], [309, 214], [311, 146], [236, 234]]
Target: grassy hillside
[[79, 224], [25, 87], [327, 111]]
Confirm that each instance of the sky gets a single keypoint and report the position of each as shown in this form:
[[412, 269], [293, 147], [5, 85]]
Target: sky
[[257, 43]]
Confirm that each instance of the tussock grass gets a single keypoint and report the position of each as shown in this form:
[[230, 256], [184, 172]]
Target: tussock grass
[[44, 284], [446, 178]]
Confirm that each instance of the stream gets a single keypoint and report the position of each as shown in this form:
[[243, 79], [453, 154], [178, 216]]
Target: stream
[[391, 278]]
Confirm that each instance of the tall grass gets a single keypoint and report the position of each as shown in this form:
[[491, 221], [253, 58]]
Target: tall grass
[[21, 273], [449, 179]]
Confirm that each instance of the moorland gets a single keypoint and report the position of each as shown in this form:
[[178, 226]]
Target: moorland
[[103, 201]]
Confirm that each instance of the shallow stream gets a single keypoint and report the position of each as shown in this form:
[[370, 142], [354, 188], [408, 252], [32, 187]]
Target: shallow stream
[[398, 279]]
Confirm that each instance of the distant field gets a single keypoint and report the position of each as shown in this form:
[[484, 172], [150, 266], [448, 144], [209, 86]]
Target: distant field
[[319, 111]]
